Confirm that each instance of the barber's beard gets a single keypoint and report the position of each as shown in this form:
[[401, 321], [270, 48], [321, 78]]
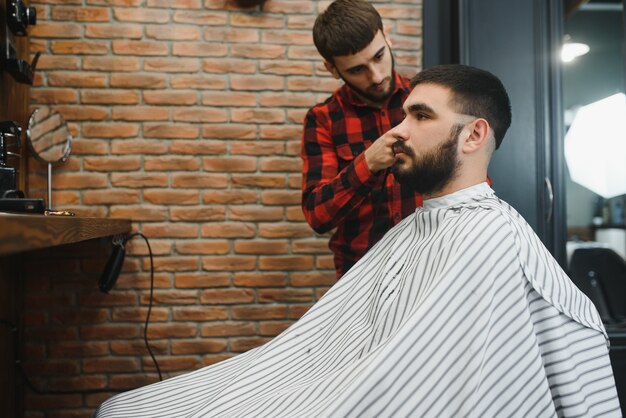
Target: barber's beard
[[371, 94], [433, 171]]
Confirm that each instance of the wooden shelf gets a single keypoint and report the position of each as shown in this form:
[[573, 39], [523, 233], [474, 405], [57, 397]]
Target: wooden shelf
[[29, 232]]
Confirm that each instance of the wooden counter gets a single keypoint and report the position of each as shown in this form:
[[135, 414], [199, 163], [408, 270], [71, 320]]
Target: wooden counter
[[29, 232]]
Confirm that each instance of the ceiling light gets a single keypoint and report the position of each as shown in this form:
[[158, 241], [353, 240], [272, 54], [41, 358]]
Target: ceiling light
[[572, 50]]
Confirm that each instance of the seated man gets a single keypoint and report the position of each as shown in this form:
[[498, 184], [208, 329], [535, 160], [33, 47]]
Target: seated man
[[459, 311]]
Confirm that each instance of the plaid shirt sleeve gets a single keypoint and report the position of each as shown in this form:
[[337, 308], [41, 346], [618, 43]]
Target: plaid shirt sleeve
[[329, 192]]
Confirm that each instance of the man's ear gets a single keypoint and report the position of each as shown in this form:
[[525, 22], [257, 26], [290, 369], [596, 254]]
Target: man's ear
[[479, 135], [331, 69]]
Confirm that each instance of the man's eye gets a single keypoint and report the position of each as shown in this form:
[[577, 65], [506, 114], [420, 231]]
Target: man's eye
[[355, 71], [421, 116], [379, 57]]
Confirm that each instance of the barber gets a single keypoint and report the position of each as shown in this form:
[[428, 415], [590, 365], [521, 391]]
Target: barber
[[346, 155]]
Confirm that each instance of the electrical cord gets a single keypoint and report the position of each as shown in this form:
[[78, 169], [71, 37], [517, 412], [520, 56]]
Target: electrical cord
[[145, 328], [18, 361]]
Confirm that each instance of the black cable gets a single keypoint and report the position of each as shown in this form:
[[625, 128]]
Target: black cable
[[145, 330]]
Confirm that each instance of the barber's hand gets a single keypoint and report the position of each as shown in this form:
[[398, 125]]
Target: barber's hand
[[380, 154]]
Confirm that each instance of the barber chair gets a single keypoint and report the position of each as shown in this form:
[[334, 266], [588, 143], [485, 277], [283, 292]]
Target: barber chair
[[601, 274]]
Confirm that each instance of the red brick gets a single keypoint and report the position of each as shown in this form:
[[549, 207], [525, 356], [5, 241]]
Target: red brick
[[240, 345], [189, 49], [318, 246], [112, 163], [139, 180], [81, 14], [170, 97], [82, 112], [287, 37], [167, 230], [176, 364], [258, 51], [148, 81], [172, 65], [232, 164], [72, 79], [199, 180], [49, 62], [180, 130], [285, 231], [228, 230], [142, 48], [205, 115], [110, 130], [53, 96], [324, 262], [231, 263], [79, 47], [55, 30], [138, 214], [182, 4], [288, 7], [138, 146], [256, 148], [230, 131], [229, 98], [285, 262], [80, 181], [142, 15], [231, 35], [227, 329], [93, 197], [110, 365], [261, 247], [196, 147], [157, 331], [259, 312], [285, 295], [112, 31], [255, 213], [257, 83], [281, 164], [111, 63], [203, 18], [173, 32], [107, 332], [287, 100], [171, 163], [256, 20], [259, 180], [170, 297], [258, 115], [288, 132], [281, 197], [139, 314], [203, 247], [226, 296], [229, 197], [229, 66], [204, 313], [266, 279], [200, 280], [77, 349], [110, 96], [198, 347], [196, 214]]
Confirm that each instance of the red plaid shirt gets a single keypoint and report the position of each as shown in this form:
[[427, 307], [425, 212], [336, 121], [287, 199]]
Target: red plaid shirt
[[338, 189]]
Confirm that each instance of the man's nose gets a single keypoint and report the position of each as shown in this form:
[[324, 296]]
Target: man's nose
[[400, 132], [376, 74]]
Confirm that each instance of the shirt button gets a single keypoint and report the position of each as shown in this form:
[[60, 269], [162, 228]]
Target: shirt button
[[397, 216], [382, 113]]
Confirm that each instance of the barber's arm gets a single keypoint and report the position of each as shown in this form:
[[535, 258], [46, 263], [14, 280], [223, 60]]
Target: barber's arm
[[328, 193]]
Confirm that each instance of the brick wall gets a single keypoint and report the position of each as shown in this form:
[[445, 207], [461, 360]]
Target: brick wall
[[186, 116]]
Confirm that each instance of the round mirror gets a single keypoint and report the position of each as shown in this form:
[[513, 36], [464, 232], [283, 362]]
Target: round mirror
[[49, 140], [48, 136]]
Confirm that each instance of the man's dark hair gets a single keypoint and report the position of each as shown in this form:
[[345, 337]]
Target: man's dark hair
[[475, 92], [345, 28]]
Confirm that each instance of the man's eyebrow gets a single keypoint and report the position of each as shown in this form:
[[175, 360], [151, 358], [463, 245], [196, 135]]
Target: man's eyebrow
[[375, 55], [419, 107]]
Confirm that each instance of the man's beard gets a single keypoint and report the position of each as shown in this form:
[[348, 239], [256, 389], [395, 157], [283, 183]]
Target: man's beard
[[371, 94], [431, 172]]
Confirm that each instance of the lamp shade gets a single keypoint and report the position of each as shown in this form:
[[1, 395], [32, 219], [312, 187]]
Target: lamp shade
[[595, 146]]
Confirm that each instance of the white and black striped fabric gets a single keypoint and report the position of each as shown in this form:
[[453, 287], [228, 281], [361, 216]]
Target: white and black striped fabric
[[459, 311]]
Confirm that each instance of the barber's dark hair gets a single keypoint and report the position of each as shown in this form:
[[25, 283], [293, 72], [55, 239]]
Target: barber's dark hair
[[475, 92], [345, 28]]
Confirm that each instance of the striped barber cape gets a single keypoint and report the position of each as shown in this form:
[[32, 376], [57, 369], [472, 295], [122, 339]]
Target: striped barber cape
[[459, 311]]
